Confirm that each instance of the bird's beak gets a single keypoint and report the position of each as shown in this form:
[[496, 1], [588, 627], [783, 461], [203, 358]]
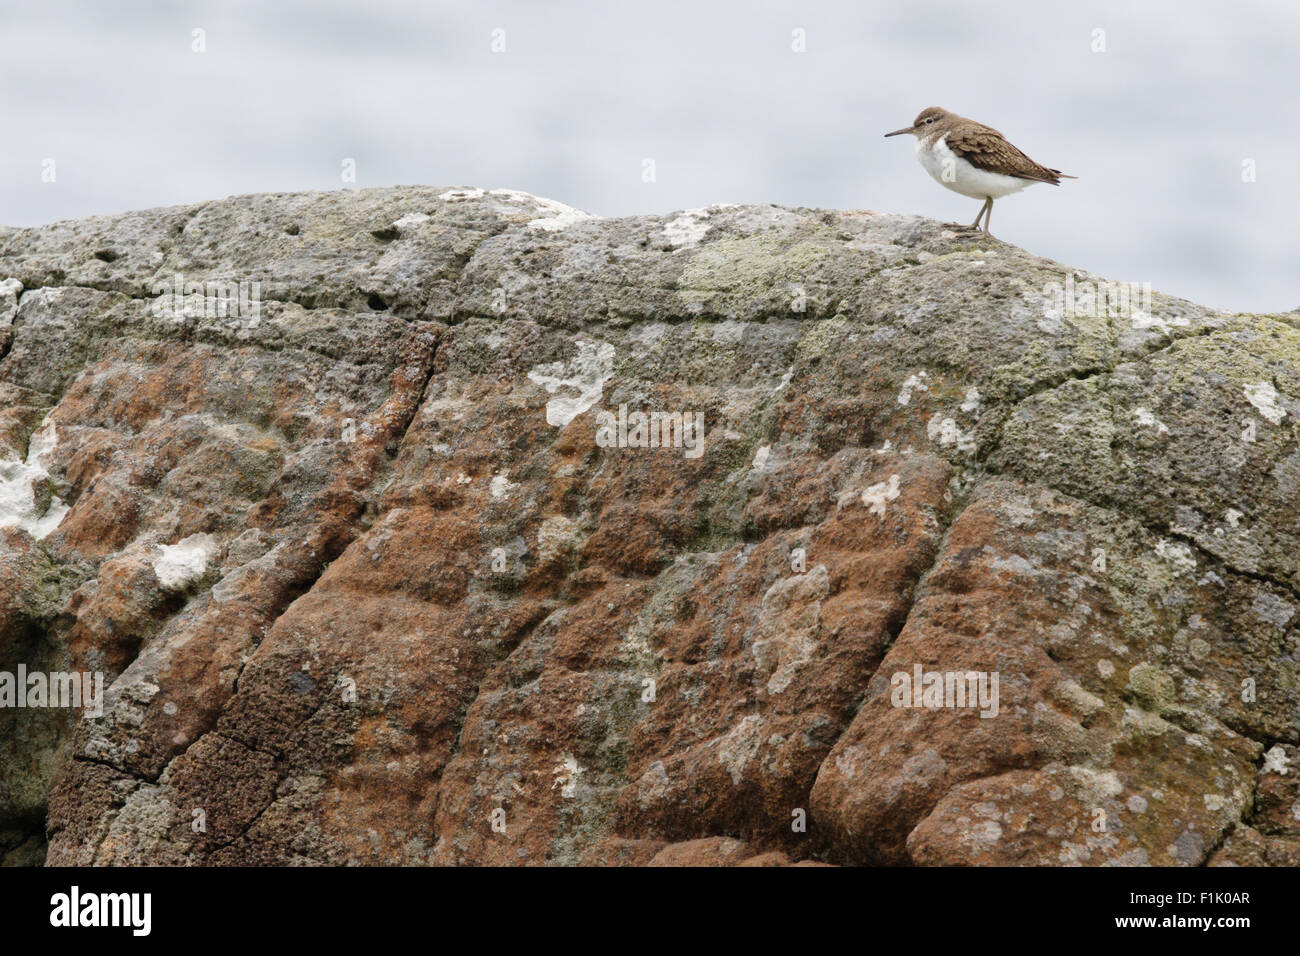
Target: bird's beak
[[900, 132]]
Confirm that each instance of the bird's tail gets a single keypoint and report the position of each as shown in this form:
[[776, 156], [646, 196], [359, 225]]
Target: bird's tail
[[1064, 175]]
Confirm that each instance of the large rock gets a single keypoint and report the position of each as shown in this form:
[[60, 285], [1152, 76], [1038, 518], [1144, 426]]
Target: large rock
[[369, 583]]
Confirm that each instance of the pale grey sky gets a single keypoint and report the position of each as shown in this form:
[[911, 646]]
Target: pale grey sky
[[1157, 126]]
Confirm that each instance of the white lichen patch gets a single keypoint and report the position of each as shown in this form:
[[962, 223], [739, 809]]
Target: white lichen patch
[[494, 339], [947, 432], [1214, 802], [585, 375], [177, 565], [1275, 761], [878, 495], [1146, 419], [971, 403], [556, 216], [566, 776], [982, 835], [1178, 556], [501, 485], [1092, 786], [410, 220], [1264, 397], [688, 229], [559, 220], [22, 505], [914, 383]]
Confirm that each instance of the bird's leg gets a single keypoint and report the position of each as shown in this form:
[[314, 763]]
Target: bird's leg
[[976, 224], [987, 218]]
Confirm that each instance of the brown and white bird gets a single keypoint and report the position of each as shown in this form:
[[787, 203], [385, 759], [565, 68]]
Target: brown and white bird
[[973, 159]]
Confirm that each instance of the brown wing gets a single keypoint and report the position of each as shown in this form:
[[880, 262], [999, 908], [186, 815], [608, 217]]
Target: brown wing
[[986, 148]]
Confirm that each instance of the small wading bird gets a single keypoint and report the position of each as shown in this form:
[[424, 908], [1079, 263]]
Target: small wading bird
[[973, 159]]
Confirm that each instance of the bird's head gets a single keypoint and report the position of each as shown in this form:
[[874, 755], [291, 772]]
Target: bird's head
[[928, 118]]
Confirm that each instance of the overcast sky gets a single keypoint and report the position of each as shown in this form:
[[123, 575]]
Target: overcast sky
[[1158, 126]]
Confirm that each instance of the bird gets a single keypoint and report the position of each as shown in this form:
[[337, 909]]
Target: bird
[[974, 160]]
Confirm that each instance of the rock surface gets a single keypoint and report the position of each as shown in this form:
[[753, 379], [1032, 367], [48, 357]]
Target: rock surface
[[370, 583]]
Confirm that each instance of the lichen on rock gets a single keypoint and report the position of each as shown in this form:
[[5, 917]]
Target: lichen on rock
[[366, 588]]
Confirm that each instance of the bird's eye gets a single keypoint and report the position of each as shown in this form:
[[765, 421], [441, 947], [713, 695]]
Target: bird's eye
[[930, 120]]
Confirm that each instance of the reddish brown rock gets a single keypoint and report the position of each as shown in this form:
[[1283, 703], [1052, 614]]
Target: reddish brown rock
[[710, 851], [1095, 751]]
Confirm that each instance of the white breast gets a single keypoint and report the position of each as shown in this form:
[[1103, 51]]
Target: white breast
[[951, 171]]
